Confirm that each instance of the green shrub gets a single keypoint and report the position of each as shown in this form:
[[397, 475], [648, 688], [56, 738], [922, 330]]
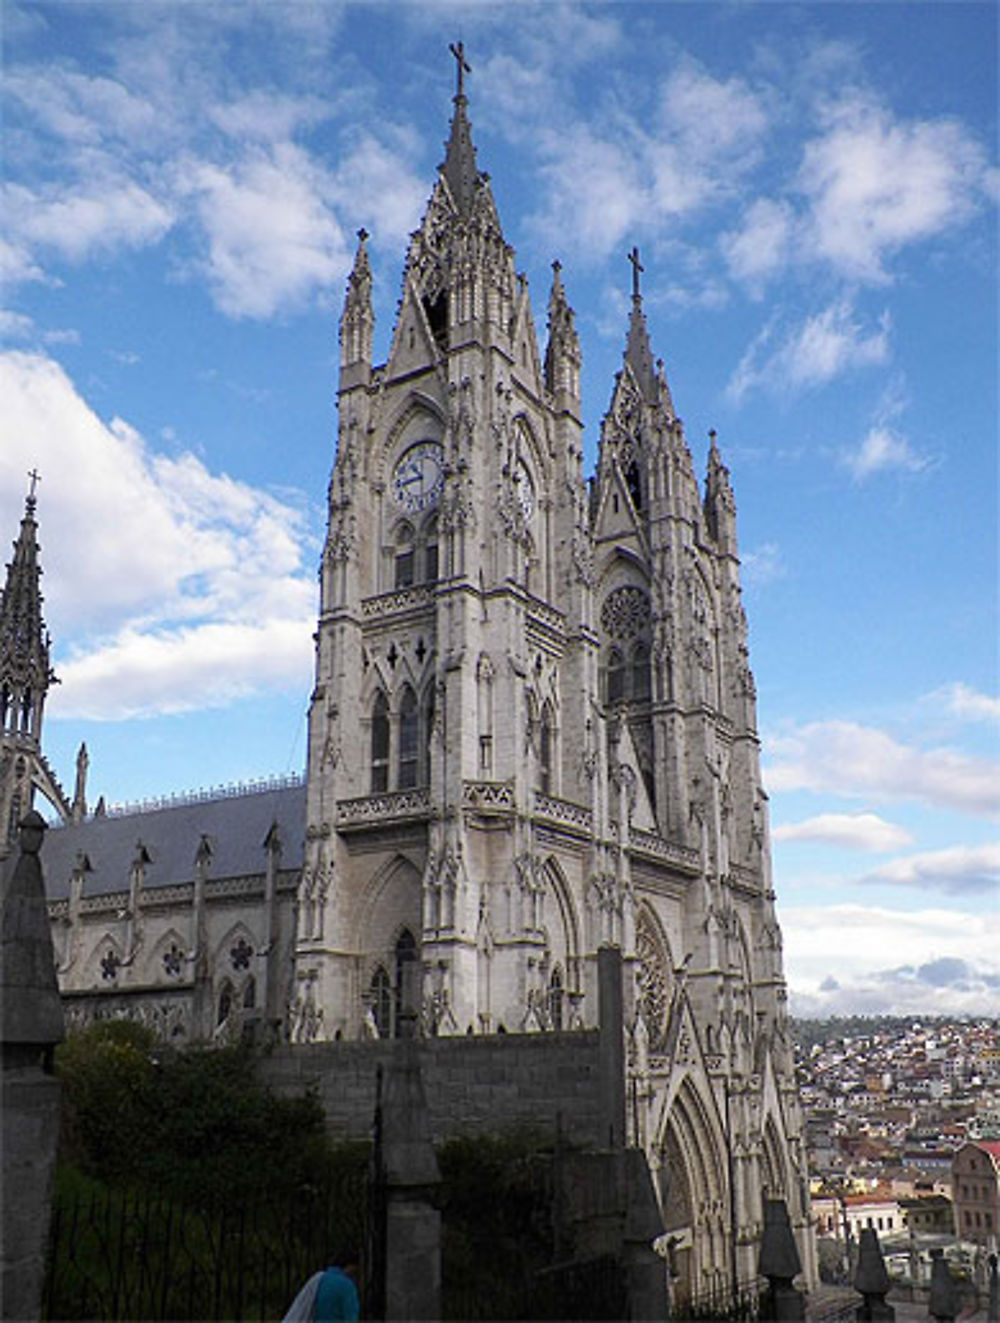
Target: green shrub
[[196, 1123]]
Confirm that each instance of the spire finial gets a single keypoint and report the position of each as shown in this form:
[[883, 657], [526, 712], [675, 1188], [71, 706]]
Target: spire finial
[[462, 67], [32, 499], [362, 234], [637, 267]]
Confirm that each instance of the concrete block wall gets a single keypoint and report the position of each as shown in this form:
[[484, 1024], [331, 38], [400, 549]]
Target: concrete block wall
[[474, 1085]]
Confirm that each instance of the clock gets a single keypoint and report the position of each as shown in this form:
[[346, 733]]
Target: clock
[[525, 489], [418, 476]]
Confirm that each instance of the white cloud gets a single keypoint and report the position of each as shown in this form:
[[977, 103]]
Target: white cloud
[[714, 119], [271, 238], [142, 672], [79, 108], [844, 758], [884, 450], [874, 184], [762, 564], [78, 221], [856, 831], [958, 868], [15, 325], [615, 177], [268, 116], [17, 264], [374, 183], [197, 584], [762, 246], [823, 347], [966, 703], [952, 962]]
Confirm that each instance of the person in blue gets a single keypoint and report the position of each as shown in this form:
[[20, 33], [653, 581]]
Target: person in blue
[[326, 1296]]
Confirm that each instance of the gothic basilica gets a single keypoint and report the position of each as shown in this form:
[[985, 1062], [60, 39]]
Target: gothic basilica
[[532, 734]]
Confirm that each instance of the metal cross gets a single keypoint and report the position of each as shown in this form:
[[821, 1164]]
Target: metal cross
[[36, 478], [637, 266], [463, 67]]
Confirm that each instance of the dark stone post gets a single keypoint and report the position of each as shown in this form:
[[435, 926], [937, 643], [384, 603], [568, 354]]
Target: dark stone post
[[611, 1045], [412, 1178], [872, 1280], [645, 1270], [779, 1262], [943, 1303], [993, 1308], [32, 1024]]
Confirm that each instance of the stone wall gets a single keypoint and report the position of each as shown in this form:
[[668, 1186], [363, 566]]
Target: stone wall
[[474, 1085]]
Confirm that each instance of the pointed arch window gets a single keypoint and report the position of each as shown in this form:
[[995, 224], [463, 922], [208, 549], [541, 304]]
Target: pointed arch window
[[225, 1003], [409, 726], [545, 741], [380, 999], [4, 707], [404, 557], [380, 743], [431, 551], [556, 999], [405, 953], [484, 699], [640, 672], [634, 484], [616, 676], [425, 743], [250, 994]]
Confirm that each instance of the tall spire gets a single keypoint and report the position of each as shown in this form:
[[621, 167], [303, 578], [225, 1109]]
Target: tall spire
[[25, 673], [562, 354], [638, 355], [357, 321], [460, 169]]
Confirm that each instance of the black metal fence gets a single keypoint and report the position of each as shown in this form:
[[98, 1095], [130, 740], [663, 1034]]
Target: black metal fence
[[118, 1254]]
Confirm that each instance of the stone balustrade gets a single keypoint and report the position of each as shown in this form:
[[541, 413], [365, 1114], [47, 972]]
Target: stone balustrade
[[649, 842], [488, 796], [562, 811], [400, 599], [386, 807]]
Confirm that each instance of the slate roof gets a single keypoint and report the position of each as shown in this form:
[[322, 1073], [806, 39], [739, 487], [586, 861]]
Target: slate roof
[[236, 826]]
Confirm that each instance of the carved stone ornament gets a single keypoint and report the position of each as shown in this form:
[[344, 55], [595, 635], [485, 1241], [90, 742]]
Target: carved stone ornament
[[651, 980]]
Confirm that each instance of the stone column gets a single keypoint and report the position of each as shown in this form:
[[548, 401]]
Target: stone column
[[32, 1023], [944, 1303], [645, 1270], [780, 1263], [612, 1046], [872, 1281], [412, 1178]]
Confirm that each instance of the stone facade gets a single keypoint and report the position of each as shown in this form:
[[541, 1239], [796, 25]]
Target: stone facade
[[532, 735]]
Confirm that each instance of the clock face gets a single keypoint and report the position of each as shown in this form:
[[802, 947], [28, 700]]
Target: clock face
[[418, 477], [525, 490]]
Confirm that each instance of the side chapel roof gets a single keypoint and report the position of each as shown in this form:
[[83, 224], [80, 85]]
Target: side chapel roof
[[236, 827]]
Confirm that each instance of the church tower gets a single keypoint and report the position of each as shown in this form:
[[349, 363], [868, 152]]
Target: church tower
[[25, 677], [533, 729], [456, 663]]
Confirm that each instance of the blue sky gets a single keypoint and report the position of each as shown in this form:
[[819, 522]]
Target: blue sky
[[813, 189]]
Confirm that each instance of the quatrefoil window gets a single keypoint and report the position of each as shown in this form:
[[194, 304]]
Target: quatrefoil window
[[240, 954]]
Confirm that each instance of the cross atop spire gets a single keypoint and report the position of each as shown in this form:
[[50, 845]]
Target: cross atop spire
[[460, 167], [637, 269], [462, 68], [637, 351]]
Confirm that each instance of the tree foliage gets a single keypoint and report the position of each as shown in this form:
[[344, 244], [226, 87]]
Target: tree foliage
[[196, 1122]]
